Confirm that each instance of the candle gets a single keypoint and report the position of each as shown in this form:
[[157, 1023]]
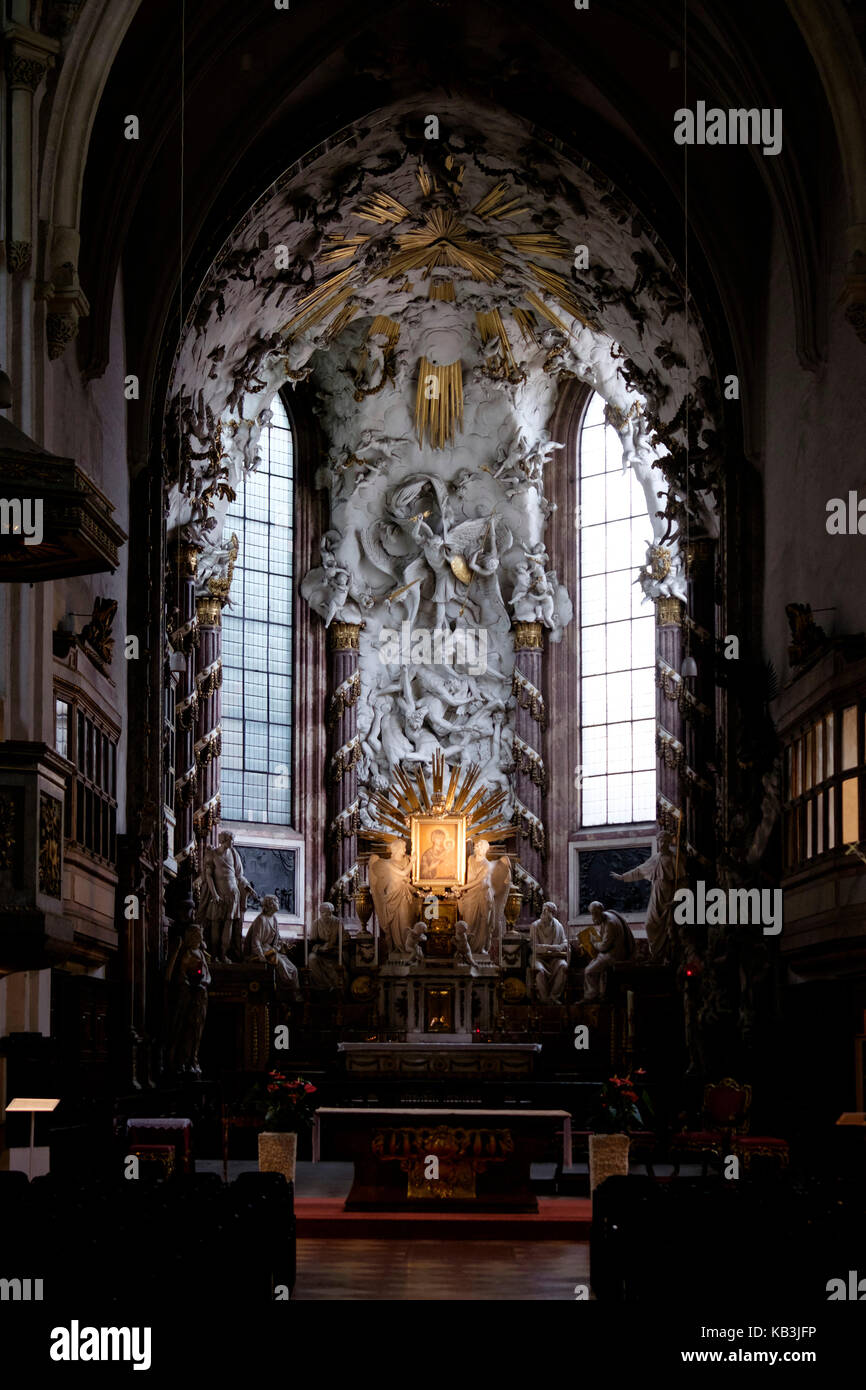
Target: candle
[[306, 941]]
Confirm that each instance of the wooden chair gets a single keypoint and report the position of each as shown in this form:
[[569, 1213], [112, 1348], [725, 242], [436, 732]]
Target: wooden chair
[[725, 1111], [726, 1130]]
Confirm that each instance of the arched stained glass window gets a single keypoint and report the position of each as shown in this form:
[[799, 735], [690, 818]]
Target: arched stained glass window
[[257, 638], [617, 635]]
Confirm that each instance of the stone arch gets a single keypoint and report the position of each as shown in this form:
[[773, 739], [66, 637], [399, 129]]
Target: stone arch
[[87, 63], [838, 57]]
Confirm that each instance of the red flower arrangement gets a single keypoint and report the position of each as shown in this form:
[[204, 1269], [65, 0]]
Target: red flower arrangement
[[620, 1105], [289, 1107]]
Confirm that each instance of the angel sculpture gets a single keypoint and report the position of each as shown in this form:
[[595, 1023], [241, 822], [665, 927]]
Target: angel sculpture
[[330, 589], [500, 882], [451, 576], [475, 901], [393, 896], [455, 558]]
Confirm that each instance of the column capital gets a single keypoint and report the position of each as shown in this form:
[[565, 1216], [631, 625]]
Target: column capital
[[669, 612], [209, 612], [528, 637], [344, 637], [28, 56], [187, 557]]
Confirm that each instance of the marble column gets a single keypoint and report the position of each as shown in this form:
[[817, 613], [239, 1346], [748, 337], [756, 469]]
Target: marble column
[[529, 778], [343, 754], [208, 734]]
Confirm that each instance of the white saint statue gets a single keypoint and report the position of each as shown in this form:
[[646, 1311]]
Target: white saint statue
[[263, 942], [223, 898], [661, 870], [550, 955], [393, 896], [615, 943], [324, 959], [475, 901]]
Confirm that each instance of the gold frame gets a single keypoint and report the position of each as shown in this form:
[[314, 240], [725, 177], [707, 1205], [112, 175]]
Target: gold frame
[[457, 825]]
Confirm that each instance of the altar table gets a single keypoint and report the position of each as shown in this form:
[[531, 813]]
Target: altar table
[[483, 1157]]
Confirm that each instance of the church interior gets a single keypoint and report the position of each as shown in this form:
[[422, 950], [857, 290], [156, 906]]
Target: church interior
[[432, 659]]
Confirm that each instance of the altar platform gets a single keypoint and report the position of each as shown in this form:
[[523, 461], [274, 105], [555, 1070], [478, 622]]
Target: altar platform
[[441, 1056]]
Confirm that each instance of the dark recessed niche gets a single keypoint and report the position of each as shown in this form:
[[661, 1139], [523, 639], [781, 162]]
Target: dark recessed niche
[[596, 885], [270, 871]]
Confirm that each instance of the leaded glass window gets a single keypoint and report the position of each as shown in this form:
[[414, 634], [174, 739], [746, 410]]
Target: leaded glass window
[[617, 634], [257, 638]]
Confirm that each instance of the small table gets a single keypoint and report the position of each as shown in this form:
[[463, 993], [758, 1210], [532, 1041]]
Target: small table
[[482, 1157]]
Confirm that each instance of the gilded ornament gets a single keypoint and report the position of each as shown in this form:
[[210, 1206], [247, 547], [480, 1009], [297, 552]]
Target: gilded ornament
[[187, 558], [669, 612], [528, 637], [463, 1154], [344, 636], [660, 561], [209, 611], [50, 845]]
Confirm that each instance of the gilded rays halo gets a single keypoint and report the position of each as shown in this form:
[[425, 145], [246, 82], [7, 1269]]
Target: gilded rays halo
[[411, 794], [439, 239]]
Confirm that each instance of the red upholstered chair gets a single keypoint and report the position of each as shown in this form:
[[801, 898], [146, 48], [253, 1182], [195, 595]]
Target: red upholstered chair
[[726, 1119], [749, 1146], [725, 1113]]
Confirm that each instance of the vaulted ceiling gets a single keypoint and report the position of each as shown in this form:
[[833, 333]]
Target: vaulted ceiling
[[264, 87]]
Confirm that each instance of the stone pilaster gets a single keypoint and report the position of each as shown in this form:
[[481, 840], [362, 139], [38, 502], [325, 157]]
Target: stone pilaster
[[700, 731], [529, 777], [208, 730], [670, 748], [343, 754], [28, 55], [185, 638]]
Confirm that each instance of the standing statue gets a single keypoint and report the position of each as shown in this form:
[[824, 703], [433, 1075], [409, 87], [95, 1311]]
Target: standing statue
[[224, 898], [500, 883], [449, 590], [475, 901], [616, 943], [393, 895], [263, 942], [188, 978], [551, 952], [324, 960], [661, 870]]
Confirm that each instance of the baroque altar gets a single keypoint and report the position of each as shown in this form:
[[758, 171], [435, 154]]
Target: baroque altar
[[440, 917]]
